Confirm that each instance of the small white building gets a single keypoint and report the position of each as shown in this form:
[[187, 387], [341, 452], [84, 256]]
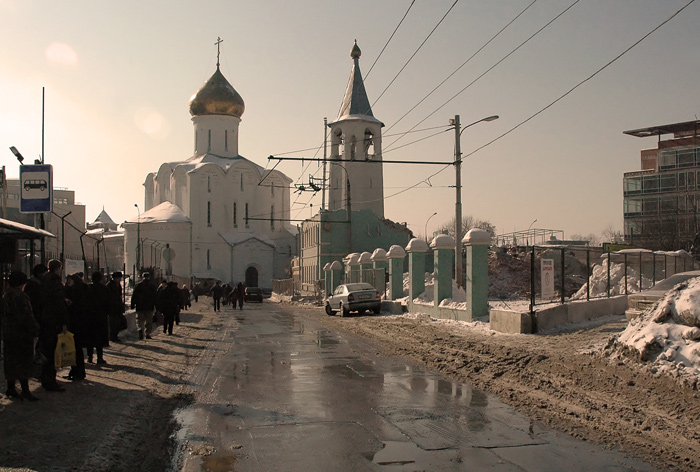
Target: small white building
[[217, 214]]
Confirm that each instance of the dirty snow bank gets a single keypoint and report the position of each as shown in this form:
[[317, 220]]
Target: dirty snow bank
[[666, 338]]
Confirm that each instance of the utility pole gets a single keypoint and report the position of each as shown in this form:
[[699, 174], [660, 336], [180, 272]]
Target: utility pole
[[325, 154], [458, 204]]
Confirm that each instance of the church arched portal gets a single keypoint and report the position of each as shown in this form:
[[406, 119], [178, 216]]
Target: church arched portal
[[251, 277]]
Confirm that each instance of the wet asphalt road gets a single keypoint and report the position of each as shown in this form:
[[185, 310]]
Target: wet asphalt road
[[289, 395]]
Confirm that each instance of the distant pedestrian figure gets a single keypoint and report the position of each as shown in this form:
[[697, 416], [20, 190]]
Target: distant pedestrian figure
[[78, 313], [19, 331], [216, 292], [116, 307], [98, 320], [143, 300], [169, 302]]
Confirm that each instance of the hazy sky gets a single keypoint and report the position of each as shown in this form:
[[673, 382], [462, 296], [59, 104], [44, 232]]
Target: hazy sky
[[119, 75]]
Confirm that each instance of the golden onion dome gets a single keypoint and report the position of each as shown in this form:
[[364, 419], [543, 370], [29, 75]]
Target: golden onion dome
[[217, 97], [355, 53]]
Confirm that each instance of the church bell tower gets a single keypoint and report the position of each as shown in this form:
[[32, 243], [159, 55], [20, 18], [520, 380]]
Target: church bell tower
[[355, 175]]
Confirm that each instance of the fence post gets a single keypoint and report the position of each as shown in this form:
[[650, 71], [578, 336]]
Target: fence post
[[532, 281], [625, 273], [588, 274], [609, 264], [562, 276]]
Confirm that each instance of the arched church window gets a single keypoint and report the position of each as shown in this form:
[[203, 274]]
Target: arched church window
[[246, 216], [272, 188], [226, 140], [208, 260], [272, 217], [208, 213], [242, 182], [369, 144], [235, 215], [209, 183], [209, 145]]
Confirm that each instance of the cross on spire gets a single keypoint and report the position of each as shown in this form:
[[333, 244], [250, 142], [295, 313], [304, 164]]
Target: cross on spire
[[218, 50]]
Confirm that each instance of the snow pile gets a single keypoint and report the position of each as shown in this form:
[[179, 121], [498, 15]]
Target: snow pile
[[667, 337], [598, 281], [457, 302]]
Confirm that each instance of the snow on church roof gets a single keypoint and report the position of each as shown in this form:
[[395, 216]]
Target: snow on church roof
[[166, 212]]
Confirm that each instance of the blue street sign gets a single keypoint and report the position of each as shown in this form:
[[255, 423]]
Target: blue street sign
[[36, 188]]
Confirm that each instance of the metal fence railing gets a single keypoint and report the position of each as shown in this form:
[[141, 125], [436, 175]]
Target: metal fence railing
[[565, 273]]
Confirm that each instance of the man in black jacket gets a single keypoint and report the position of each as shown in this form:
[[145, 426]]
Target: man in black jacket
[[116, 307], [144, 301]]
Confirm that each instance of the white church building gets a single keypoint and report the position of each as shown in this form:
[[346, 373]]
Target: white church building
[[210, 216]]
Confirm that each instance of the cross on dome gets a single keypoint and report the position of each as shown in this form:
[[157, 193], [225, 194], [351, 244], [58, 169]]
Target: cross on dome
[[218, 49]]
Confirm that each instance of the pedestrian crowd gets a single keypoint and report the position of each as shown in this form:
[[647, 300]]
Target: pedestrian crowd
[[35, 311]]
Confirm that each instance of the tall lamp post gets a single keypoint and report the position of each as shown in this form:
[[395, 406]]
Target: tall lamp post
[[458, 189], [426, 226], [138, 237], [528, 234]]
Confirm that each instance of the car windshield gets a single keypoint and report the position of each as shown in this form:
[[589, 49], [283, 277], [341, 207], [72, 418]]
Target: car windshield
[[359, 287]]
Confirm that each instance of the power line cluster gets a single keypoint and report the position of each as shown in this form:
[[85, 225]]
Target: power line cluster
[[392, 146]]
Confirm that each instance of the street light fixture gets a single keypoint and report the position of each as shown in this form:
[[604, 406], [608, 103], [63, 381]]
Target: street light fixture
[[426, 226], [458, 189], [528, 234], [17, 154]]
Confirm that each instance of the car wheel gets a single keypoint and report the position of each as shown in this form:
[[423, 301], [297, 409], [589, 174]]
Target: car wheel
[[329, 310], [343, 311], [377, 309]]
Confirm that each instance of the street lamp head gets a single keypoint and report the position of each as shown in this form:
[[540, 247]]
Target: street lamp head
[[17, 154], [490, 118]]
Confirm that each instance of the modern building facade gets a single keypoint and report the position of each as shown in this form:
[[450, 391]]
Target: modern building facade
[[662, 200]]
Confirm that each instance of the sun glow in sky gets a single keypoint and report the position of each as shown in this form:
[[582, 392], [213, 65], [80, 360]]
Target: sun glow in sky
[[118, 77]]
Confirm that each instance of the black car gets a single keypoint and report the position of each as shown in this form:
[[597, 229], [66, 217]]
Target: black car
[[254, 294]]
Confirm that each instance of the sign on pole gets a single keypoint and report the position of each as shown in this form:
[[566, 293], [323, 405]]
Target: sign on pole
[[36, 188], [547, 274]]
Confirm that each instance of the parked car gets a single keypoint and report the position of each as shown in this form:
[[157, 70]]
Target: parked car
[[354, 297], [254, 294], [638, 302]]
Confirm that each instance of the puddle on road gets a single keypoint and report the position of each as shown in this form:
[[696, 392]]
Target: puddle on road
[[218, 463], [396, 453]]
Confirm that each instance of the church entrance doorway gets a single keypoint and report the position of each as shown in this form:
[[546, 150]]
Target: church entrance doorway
[[251, 277]]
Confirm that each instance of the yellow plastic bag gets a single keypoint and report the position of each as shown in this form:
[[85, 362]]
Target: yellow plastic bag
[[64, 356]]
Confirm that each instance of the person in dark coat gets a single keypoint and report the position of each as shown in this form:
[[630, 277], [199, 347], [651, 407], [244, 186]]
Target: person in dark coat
[[78, 313], [33, 289], [216, 292], [98, 318], [143, 300], [54, 320], [241, 295], [169, 302], [19, 330], [116, 306]]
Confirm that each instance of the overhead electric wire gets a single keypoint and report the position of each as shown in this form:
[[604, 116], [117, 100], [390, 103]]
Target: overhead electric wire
[[415, 52], [583, 81], [491, 68], [463, 64], [389, 40]]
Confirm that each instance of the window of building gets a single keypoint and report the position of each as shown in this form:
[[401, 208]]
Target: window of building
[[691, 180], [209, 145], [208, 260], [667, 182], [209, 183], [681, 181], [241, 181], [235, 215], [669, 204], [272, 217], [226, 140], [246, 216], [650, 206], [667, 160], [686, 158], [650, 183], [208, 213], [633, 185], [272, 188]]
